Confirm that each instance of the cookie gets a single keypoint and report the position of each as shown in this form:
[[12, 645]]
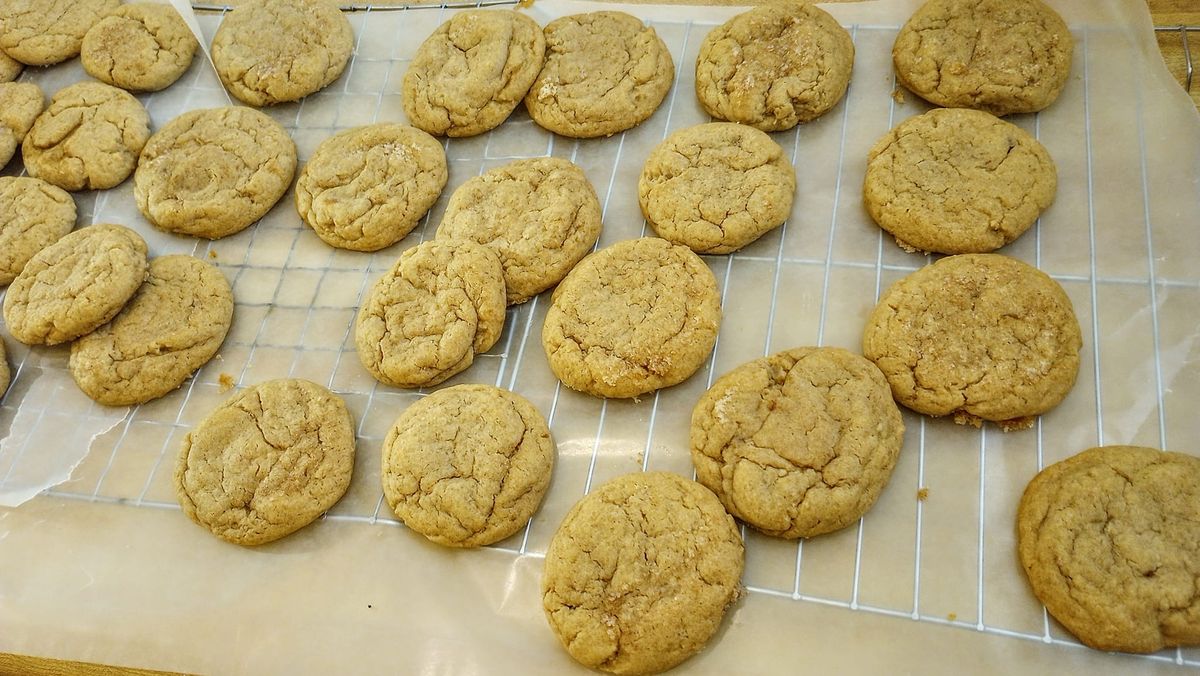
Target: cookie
[[368, 187], [979, 336], [140, 47], [635, 317], [75, 285], [20, 105], [540, 216], [639, 575], [426, 318], [774, 66], [800, 443], [212, 173], [957, 181], [10, 68], [272, 51], [716, 187], [469, 75], [88, 138], [1002, 56], [468, 465], [1110, 542], [45, 32], [33, 215], [5, 376], [267, 462], [171, 327], [605, 72]]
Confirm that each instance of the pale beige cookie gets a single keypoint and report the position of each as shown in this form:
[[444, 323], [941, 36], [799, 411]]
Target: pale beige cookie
[[140, 47], [44, 32], [1110, 542], [716, 187], [468, 465], [20, 105], [10, 68], [211, 173], [5, 376], [1002, 56], [800, 443], [957, 181], [426, 318], [635, 317], [172, 326], [774, 66], [640, 573], [368, 187], [605, 72], [469, 75], [979, 336], [33, 215], [267, 462], [88, 138], [272, 51], [75, 285], [540, 216]]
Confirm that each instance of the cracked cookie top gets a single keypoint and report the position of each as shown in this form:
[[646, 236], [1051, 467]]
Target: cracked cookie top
[[139, 47], [33, 215], [20, 105], [45, 32], [10, 68]]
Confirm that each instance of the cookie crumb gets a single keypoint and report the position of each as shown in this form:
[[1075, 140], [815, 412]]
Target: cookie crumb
[[369, 605], [952, 617], [923, 494], [898, 95], [641, 457], [226, 382], [212, 253]]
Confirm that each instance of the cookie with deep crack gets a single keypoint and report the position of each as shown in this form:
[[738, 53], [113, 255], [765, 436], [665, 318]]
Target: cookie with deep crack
[[33, 215], [45, 32], [979, 336], [368, 187], [716, 187], [212, 173], [639, 575], [1002, 56], [635, 317], [141, 46], [20, 105], [774, 66], [267, 462], [469, 75], [10, 68], [605, 72], [1110, 542], [540, 216]]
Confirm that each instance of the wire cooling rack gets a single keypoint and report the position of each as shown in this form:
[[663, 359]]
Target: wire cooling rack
[[938, 547]]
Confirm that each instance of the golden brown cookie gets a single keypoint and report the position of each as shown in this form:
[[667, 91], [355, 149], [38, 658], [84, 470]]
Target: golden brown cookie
[[979, 336], [640, 573], [800, 443], [272, 51], [267, 462], [1002, 56], [540, 216], [605, 72], [469, 75], [33, 215], [426, 318], [635, 317], [368, 187], [957, 181], [10, 68], [141, 46], [468, 465], [1110, 542], [211, 173], [716, 187], [774, 66], [20, 105], [44, 32]]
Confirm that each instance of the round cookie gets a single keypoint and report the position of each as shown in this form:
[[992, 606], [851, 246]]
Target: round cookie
[[427, 317], [1002, 56], [20, 105], [540, 216], [469, 75], [5, 376], [140, 47], [605, 72], [272, 51], [45, 32], [774, 66], [368, 187], [639, 575], [33, 215], [635, 317], [468, 465], [800, 443], [211, 173], [957, 181], [979, 336], [716, 187], [10, 68], [1110, 542], [172, 326], [267, 462], [75, 285]]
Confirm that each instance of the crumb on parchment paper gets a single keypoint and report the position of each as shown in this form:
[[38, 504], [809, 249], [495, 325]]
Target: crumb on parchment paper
[[922, 494], [952, 617], [212, 253], [226, 382]]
